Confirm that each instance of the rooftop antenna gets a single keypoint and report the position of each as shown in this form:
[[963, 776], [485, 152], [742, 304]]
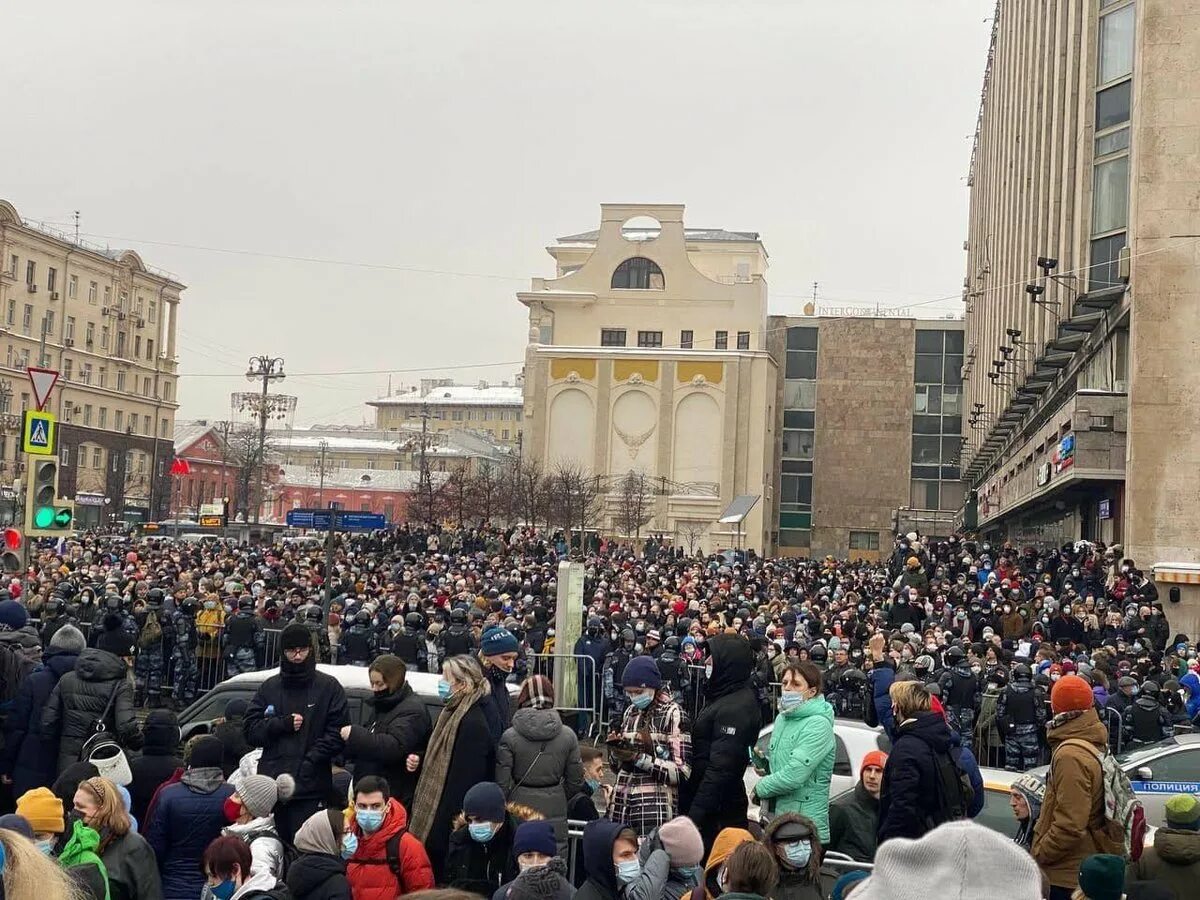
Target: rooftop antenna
[[76, 217], [814, 293]]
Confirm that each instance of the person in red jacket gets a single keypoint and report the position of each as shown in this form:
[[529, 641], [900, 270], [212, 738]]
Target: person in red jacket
[[386, 860]]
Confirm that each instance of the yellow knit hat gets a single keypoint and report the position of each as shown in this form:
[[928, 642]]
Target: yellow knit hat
[[42, 810]]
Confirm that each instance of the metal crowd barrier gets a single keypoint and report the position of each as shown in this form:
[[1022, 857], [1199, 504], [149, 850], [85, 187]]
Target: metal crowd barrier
[[582, 696]]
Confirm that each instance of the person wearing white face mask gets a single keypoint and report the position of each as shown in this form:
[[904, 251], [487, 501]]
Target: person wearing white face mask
[[799, 765], [797, 848]]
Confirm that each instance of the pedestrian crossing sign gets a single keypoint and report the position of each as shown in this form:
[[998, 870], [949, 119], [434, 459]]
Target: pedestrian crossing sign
[[39, 433]]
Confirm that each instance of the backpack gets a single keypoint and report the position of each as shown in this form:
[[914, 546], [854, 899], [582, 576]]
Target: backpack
[[1121, 807], [289, 852], [954, 790], [151, 631], [393, 857]]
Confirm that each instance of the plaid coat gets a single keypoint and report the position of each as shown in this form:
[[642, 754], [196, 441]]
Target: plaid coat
[[646, 794]]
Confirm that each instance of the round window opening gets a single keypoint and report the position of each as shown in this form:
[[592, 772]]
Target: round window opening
[[641, 228]]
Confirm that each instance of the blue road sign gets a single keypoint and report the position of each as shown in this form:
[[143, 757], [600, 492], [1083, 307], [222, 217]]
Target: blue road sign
[[339, 519]]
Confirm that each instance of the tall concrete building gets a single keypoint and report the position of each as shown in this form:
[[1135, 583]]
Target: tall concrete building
[[869, 418], [1082, 284], [647, 356], [106, 322]]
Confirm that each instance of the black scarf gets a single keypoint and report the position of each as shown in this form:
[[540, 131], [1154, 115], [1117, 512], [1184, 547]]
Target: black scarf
[[298, 674]]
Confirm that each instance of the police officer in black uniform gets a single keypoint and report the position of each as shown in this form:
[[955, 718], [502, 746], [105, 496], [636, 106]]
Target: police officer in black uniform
[[1147, 720], [409, 643], [1020, 716], [961, 695], [314, 621], [358, 640], [457, 640], [245, 640]]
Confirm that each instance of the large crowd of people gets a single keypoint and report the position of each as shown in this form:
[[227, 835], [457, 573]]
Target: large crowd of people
[[963, 654]]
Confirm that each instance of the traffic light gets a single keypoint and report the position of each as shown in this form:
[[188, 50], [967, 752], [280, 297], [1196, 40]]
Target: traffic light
[[12, 557], [45, 514]]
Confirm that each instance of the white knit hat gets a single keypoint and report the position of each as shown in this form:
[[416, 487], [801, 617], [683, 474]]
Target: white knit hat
[[260, 793], [956, 861]]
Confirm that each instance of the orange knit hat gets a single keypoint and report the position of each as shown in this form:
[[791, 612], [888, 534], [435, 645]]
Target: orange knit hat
[[1071, 693]]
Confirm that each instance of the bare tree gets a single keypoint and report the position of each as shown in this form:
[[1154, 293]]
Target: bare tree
[[486, 489], [456, 492], [634, 493], [573, 498], [528, 492], [692, 533], [242, 452]]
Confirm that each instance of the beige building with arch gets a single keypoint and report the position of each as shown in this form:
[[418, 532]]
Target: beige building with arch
[[647, 354]]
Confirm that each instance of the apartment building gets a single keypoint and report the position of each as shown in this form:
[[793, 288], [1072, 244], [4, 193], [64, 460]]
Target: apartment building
[[491, 409], [1082, 285], [106, 322]]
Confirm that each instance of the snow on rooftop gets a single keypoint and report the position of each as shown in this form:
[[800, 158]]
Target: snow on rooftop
[[357, 479], [457, 395]]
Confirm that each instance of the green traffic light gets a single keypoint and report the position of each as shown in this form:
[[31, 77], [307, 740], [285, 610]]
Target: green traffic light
[[62, 518], [43, 517]]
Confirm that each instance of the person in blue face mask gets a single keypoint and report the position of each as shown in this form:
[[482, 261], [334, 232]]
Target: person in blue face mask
[[650, 751], [378, 833], [794, 840], [226, 867], [481, 857]]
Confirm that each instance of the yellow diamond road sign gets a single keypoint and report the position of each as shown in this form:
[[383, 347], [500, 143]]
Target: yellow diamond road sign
[[39, 433]]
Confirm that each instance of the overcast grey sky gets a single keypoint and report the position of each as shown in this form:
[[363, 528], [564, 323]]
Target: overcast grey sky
[[464, 137]]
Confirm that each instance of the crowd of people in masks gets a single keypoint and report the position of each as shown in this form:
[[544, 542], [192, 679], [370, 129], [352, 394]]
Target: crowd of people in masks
[[964, 654]]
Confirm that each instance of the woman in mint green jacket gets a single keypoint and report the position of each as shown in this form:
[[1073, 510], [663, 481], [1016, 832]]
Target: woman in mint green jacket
[[799, 765]]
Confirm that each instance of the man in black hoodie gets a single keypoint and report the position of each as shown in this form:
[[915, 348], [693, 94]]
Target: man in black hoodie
[[296, 717], [714, 797]]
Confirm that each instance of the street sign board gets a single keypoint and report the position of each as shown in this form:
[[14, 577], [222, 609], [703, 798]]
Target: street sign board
[[211, 521], [38, 433], [42, 381], [338, 519]]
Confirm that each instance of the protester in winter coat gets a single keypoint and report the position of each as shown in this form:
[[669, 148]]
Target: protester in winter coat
[[480, 858], [74, 848], [752, 873], [128, 859], [955, 861], [498, 651], [610, 857], [232, 734], [250, 810], [296, 717], [797, 847], [1072, 825], [538, 763], [912, 798], [1174, 859], [800, 758], [670, 857], [854, 816], [727, 841], [400, 728], [460, 754], [158, 760], [1026, 797], [188, 817], [226, 869], [80, 698], [651, 752], [319, 870], [722, 736], [542, 873], [378, 835], [28, 757]]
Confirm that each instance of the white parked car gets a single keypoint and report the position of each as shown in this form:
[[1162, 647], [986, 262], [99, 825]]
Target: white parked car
[[853, 739]]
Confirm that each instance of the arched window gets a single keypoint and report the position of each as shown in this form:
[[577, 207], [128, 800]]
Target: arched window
[[639, 274]]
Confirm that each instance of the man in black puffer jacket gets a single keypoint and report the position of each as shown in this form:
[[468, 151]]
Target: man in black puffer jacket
[[296, 717], [81, 696], [714, 797]]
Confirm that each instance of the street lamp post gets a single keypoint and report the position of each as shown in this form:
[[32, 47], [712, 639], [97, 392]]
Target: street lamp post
[[266, 369]]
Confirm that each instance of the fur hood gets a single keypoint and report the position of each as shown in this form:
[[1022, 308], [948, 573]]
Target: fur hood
[[518, 812]]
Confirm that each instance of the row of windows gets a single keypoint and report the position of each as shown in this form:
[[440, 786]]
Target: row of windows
[[140, 306], [1110, 167], [92, 457], [125, 382], [140, 349], [617, 337]]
